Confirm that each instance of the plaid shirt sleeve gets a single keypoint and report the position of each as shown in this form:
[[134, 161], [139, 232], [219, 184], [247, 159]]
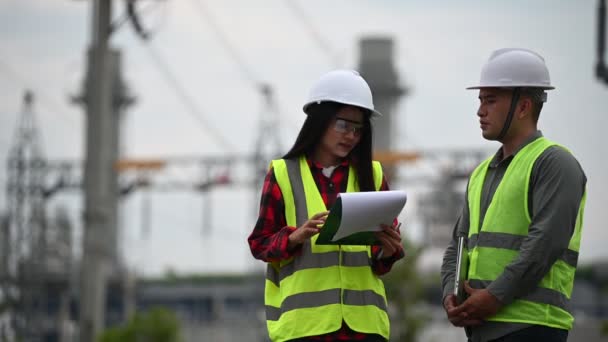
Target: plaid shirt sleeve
[[383, 264], [269, 239], [270, 236]]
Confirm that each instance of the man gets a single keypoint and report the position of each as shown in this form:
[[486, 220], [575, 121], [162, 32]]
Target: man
[[523, 215]]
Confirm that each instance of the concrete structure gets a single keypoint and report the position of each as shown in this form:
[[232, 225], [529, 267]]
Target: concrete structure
[[221, 308], [377, 66]]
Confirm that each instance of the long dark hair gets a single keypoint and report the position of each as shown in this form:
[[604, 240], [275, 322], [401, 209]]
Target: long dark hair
[[319, 117]]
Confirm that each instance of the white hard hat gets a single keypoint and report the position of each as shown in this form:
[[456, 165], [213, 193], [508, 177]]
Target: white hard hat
[[513, 67], [342, 86]]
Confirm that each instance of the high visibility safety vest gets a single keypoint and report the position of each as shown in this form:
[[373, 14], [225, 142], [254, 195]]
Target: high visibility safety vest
[[312, 294], [497, 243]]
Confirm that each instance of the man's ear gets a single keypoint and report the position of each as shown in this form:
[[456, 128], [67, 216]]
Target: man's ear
[[524, 108]]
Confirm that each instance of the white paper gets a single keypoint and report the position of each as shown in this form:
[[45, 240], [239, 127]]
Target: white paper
[[365, 211]]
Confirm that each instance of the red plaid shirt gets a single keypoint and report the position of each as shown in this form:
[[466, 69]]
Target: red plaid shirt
[[269, 239]]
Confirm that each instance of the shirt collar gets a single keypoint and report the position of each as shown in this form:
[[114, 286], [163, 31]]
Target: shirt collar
[[317, 165], [498, 157]]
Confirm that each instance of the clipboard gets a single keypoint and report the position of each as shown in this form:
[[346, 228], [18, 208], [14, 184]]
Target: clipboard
[[329, 229], [462, 269], [355, 217]]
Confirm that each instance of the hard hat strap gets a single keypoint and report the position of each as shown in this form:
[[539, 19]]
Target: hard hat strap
[[514, 100]]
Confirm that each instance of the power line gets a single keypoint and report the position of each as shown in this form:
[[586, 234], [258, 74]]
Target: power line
[[173, 81], [206, 15], [316, 36], [246, 71], [186, 99], [48, 104]]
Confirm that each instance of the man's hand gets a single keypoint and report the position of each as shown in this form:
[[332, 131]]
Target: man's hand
[[390, 238], [480, 305], [308, 229], [458, 318]]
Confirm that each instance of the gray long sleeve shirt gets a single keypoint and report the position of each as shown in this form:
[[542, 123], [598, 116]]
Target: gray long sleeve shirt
[[557, 185]]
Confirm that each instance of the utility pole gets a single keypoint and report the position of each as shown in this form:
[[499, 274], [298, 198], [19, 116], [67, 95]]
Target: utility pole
[[601, 69], [104, 100]]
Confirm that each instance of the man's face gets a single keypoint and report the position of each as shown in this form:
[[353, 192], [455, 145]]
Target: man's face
[[494, 106]]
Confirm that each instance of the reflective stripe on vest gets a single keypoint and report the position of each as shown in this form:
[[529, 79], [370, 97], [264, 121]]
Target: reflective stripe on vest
[[310, 295], [322, 260], [496, 244], [320, 298], [509, 241]]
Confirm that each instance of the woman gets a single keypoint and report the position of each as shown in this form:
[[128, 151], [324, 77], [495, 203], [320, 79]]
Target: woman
[[324, 292]]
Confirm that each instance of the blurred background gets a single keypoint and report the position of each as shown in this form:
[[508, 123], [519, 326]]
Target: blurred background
[[135, 135]]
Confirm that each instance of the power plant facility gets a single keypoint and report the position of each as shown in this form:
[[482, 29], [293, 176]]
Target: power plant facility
[[129, 221]]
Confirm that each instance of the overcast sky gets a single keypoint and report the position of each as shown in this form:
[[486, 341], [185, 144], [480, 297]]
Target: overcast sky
[[440, 47]]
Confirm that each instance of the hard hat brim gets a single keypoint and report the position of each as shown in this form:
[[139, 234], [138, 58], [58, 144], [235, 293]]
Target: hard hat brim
[[374, 112], [543, 87]]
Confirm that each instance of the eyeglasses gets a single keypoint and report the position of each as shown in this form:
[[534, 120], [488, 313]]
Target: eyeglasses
[[345, 126]]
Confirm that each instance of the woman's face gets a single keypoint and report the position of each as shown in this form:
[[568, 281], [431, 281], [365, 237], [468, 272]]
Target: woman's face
[[342, 135]]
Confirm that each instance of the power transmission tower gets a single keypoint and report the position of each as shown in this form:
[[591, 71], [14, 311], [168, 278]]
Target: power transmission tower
[[268, 142], [23, 233]]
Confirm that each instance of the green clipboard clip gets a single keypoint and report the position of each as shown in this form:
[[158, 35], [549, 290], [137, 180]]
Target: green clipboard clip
[[329, 229]]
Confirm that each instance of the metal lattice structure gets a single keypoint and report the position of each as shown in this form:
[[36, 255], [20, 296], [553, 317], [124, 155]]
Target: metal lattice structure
[[36, 252], [23, 238]]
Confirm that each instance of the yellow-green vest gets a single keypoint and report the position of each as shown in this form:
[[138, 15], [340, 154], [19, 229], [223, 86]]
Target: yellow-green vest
[[497, 243], [313, 293]]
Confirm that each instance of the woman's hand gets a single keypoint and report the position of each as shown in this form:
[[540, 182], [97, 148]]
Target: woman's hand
[[308, 229], [390, 238]]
